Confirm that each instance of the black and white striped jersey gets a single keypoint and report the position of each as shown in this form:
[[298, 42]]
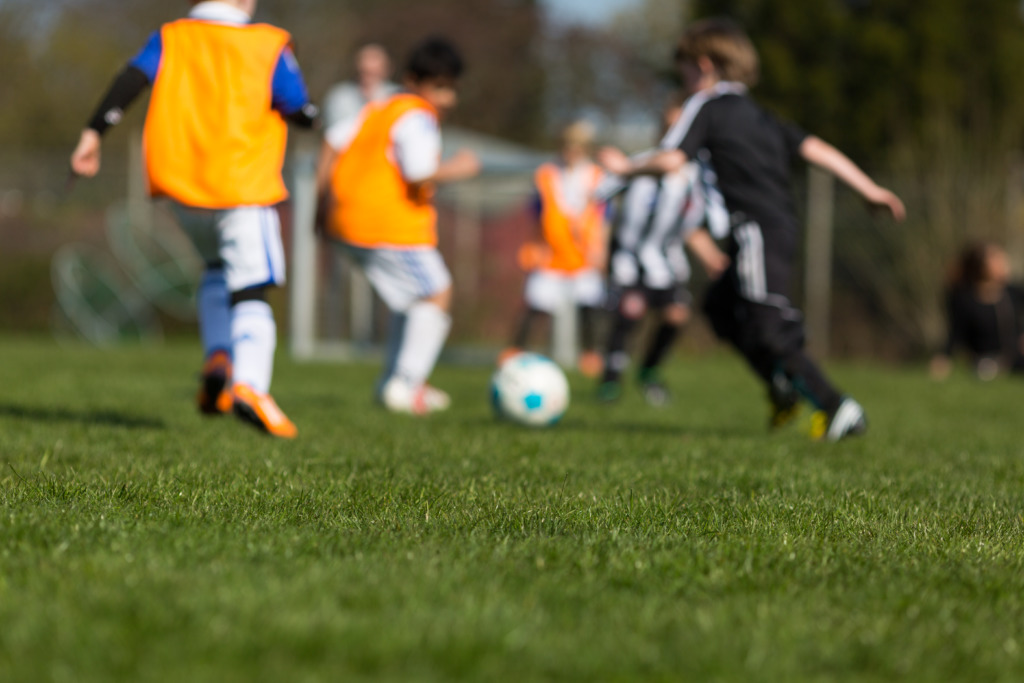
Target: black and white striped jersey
[[750, 150], [654, 217]]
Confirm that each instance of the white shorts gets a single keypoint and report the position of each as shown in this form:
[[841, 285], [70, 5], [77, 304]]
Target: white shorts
[[245, 242], [547, 289], [401, 277]]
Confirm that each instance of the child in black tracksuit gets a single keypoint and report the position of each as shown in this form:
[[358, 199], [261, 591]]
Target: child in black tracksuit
[[751, 153]]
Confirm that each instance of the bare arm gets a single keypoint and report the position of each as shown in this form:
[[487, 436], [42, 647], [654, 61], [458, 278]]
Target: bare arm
[[816, 151], [713, 259], [328, 157], [463, 165], [662, 162]]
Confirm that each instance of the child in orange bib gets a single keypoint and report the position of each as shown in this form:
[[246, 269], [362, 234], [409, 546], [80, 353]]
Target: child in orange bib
[[215, 140], [567, 263], [376, 179]]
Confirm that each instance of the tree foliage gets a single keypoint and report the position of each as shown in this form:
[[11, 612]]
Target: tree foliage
[[871, 74]]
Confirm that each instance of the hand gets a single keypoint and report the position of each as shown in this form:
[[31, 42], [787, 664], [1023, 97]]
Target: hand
[[614, 161], [714, 260], [85, 160], [463, 165], [881, 198], [715, 264], [940, 368]]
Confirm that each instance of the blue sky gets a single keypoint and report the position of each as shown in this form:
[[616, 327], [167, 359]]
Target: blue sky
[[585, 11]]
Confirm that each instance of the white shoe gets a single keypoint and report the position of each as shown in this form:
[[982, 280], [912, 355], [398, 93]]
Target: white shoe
[[399, 396], [848, 420]]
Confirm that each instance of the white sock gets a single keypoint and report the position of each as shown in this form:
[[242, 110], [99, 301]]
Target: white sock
[[254, 338], [426, 329], [214, 307]]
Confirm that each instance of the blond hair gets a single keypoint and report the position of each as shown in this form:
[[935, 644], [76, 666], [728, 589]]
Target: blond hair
[[723, 42], [580, 132]]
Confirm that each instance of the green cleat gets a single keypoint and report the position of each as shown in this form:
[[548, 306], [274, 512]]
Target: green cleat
[[609, 391]]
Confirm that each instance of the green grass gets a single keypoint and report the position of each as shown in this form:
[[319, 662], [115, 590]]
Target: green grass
[[139, 542]]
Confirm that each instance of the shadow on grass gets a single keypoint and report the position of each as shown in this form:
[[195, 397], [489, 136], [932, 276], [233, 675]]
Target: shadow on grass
[[99, 417]]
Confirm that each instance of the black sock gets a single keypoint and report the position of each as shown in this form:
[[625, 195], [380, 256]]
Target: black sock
[[616, 357], [810, 381], [588, 327], [660, 345], [523, 331]]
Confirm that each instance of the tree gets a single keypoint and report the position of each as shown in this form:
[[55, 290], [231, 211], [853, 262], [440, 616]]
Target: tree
[[926, 93]]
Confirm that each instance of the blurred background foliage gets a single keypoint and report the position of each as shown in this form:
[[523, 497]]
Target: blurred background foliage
[[928, 96]]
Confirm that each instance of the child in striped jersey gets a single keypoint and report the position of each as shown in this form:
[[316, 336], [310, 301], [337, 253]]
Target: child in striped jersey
[[649, 270]]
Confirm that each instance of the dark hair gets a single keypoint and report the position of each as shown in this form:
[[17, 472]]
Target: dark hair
[[434, 59], [971, 266]]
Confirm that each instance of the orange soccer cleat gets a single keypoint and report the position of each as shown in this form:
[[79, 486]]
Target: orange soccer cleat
[[591, 364], [214, 397], [262, 412], [508, 353]]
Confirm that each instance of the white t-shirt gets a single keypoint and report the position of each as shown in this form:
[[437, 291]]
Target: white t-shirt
[[577, 186], [415, 143], [344, 101]]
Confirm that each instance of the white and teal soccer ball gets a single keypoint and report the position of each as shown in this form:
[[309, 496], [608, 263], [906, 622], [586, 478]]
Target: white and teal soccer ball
[[530, 389]]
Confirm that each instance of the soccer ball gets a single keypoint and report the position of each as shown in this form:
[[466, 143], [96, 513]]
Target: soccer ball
[[531, 390]]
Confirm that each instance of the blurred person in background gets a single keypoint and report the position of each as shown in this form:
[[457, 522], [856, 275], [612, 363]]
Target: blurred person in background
[[649, 271], [985, 314], [223, 91], [345, 101], [569, 258]]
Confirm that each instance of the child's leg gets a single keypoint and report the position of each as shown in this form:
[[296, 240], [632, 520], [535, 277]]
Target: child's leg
[[588, 327], [416, 286], [213, 305], [542, 294], [253, 256], [522, 335], [396, 332], [254, 339], [675, 315], [588, 292], [213, 301], [632, 306], [427, 324], [773, 343]]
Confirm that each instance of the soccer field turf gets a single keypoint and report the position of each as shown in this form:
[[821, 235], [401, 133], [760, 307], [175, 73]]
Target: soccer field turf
[[139, 542]]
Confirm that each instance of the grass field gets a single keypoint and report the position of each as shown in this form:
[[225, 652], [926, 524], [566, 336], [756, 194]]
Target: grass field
[[139, 542]]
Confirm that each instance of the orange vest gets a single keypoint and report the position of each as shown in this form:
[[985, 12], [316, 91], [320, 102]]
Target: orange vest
[[212, 139], [374, 206], [575, 242]]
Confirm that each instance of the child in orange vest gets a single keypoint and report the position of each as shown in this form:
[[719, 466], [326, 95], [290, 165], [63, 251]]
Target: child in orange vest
[[215, 139], [377, 178], [568, 263]]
